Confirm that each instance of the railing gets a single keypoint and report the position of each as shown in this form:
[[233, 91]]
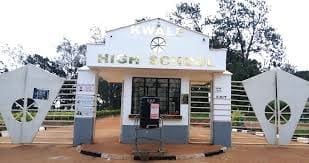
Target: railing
[[63, 108], [200, 106], [243, 116], [200, 97]]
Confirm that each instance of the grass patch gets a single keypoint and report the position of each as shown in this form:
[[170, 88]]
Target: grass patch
[[61, 115], [302, 133], [202, 115]]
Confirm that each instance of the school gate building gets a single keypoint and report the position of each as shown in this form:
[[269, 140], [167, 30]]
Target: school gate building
[[159, 59]]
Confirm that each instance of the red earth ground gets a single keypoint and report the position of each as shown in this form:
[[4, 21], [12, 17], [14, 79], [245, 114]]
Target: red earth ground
[[107, 140]]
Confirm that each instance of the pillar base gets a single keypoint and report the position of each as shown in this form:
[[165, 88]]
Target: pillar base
[[222, 132], [83, 131]]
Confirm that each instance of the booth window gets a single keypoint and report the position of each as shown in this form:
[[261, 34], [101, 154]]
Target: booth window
[[167, 89]]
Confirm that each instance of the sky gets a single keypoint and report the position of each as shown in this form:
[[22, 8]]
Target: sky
[[40, 25]]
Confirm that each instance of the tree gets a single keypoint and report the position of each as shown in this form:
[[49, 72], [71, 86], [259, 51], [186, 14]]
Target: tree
[[3, 67], [288, 68], [11, 57], [242, 69], [188, 15], [72, 56], [243, 25], [45, 63], [110, 93], [303, 74], [96, 35], [239, 25]]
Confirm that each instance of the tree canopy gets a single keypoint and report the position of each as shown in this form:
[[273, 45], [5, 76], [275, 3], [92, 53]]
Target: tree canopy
[[242, 69], [241, 26], [45, 63], [11, 57], [303, 74], [72, 56], [188, 15]]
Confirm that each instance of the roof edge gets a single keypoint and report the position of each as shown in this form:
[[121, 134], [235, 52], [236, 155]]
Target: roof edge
[[161, 20]]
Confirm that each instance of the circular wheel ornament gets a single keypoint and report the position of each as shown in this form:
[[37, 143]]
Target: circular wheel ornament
[[19, 110], [157, 44], [282, 112]]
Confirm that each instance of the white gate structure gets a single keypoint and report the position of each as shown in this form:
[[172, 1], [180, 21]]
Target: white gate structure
[[57, 123], [272, 108], [278, 106], [26, 95]]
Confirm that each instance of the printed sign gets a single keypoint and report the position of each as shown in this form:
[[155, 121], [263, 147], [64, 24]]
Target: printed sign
[[40, 94], [220, 93], [85, 89], [154, 111], [84, 111], [85, 100], [218, 89], [85, 105]]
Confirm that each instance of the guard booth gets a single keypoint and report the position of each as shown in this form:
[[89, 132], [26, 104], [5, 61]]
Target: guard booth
[[155, 58], [149, 112]]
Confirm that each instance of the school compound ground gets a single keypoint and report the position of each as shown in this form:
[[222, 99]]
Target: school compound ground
[[107, 141]]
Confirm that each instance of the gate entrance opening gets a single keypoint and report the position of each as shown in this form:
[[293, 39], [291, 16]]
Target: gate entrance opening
[[200, 112]]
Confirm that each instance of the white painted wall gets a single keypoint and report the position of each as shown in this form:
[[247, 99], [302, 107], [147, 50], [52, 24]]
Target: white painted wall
[[137, 44], [86, 76], [135, 41], [86, 92], [222, 97]]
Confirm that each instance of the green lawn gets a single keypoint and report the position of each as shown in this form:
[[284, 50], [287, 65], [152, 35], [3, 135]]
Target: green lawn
[[200, 115], [65, 115]]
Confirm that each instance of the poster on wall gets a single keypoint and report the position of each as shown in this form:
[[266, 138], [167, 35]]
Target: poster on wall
[[84, 106], [154, 111], [40, 94]]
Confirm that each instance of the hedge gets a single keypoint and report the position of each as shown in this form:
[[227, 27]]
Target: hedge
[[105, 113]]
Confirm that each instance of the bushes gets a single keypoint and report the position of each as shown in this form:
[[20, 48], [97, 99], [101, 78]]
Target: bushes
[[105, 113], [66, 115], [237, 118], [70, 115], [63, 115]]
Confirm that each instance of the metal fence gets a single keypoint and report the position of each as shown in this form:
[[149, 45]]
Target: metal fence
[[200, 109], [60, 118], [243, 116]]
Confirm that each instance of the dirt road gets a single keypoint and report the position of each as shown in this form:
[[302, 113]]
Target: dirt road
[[107, 140]]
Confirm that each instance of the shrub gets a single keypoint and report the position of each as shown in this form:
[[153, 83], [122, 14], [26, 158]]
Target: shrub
[[237, 118], [105, 113]]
